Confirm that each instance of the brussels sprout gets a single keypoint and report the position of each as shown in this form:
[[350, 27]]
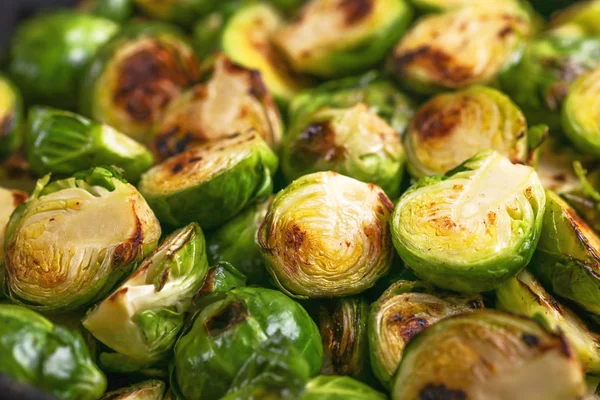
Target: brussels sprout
[[475, 227], [341, 37], [212, 182], [136, 75], [11, 116], [339, 388], [582, 17], [403, 310], [116, 10], [327, 235], [234, 100], [452, 127], [142, 318], [236, 242], [183, 12], [352, 141], [63, 142], [49, 357], [49, 53], [147, 390], [207, 32], [221, 278], [580, 116], [567, 259], [227, 331], [488, 353], [459, 48], [75, 238], [586, 199], [555, 166], [524, 295], [247, 40]]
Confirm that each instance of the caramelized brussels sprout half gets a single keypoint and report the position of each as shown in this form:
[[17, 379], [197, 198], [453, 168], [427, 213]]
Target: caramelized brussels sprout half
[[116, 10], [580, 18], [49, 53], [212, 182], [11, 117], [234, 100], [135, 77], [339, 388], [183, 12], [473, 355], [51, 358], [75, 238], [226, 333], [351, 141], [459, 48], [452, 127], [403, 310], [341, 37], [475, 227], [327, 235], [64, 143], [146, 390]]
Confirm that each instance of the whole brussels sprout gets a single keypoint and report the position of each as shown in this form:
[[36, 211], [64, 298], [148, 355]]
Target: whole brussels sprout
[[475, 355], [339, 388], [581, 18], [63, 142], [212, 182], [49, 53], [183, 12], [475, 227], [351, 141], [147, 390], [524, 295], [11, 117], [580, 117], [49, 357], [75, 238], [452, 127], [142, 318], [9, 201], [234, 100], [116, 10], [327, 235], [460, 48], [403, 310], [359, 34], [136, 75], [567, 257], [226, 332]]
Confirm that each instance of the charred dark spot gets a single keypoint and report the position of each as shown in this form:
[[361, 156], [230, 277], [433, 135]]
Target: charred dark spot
[[126, 253], [117, 294], [294, 237], [225, 319], [172, 142], [194, 159], [19, 198], [530, 340], [396, 317], [348, 244], [411, 327], [560, 177], [432, 122], [506, 31], [437, 62], [185, 161], [319, 140], [258, 90], [232, 67], [386, 202], [521, 135], [432, 391], [176, 168], [6, 125], [209, 283], [163, 279], [356, 10], [52, 219], [564, 345]]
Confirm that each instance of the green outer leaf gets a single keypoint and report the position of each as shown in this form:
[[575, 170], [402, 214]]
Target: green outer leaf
[[11, 117], [339, 388]]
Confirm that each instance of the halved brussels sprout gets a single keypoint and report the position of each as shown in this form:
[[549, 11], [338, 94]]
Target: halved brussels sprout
[[586, 199], [581, 113], [452, 127], [475, 355], [236, 242], [581, 17], [147, 390], [475, 227], [75, 238], [403, 310], [63, 142], [460, 48], [142, 318], [339, 388], [351, 141], [227, 331], [247, 40], [184, 12], [116, 10], [234, 100], [524, 295], [49, 357], [567, 258], [327, 235], [11, 117], [341, 37], [50, 51], [136, 75], [212, 182]]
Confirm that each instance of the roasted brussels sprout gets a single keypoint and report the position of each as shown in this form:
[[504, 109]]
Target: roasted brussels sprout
[[555, 165], [339, 388], [586, 198], [227, 331], [581, 18], [327, 235], [11, 116], [567, 257], [116, 10], [9, 201], [234, 100], [471, 356], [49, 357], [64, 143], [221, 278], [207, 32], [341, 37], [403, 310], [147, 390], [75, 238], [136, 75], [475, 227], [212, 182], [49, 53], [460, 48], [142, 318], [452, 127], [184, 12]]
